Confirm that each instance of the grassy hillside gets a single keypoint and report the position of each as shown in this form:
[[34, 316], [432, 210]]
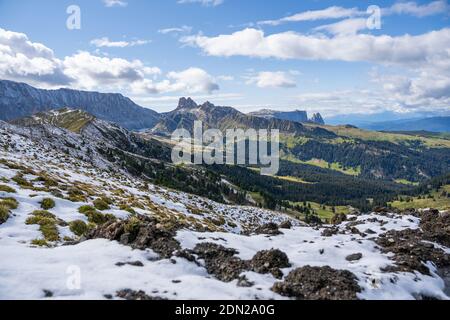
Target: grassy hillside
[[438, 199], [352, 132]]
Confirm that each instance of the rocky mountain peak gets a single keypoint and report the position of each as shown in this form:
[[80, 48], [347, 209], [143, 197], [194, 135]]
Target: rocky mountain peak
[[208, 104], [187, 103], [317, 118]]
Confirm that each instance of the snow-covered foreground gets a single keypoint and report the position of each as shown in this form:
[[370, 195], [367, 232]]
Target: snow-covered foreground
[[89, 270]]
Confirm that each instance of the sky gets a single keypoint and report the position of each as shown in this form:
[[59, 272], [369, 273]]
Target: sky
[[335, 57]]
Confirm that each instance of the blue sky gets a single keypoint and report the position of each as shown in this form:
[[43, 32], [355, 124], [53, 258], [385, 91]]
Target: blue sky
[[313, 55]]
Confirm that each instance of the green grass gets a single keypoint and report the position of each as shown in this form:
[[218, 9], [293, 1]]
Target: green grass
[[11, 203], [40, 243], [407, 182], [7, 189], [47, 204], [4, 213], [86, 208], [292, 179], [436, 200], [21, 181], [101, 204], [47, 223], [324, 212], [331, 166], [356, 133], [78, 227]]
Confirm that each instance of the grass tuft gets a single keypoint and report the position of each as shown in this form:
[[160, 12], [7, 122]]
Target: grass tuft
[[47, 204], [7, 189]]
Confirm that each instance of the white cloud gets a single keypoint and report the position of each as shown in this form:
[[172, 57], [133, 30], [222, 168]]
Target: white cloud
[[335, 12], [183, 29], [344, 27], [225, 78], [93, 72], [206, 3], [313, 15], [192, 80], [405, 50], [105, 42], [21, 59], [115, 3], [268, 79], [412, 8]]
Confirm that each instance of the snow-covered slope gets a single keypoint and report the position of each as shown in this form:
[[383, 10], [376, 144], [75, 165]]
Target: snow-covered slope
[[43, 255]]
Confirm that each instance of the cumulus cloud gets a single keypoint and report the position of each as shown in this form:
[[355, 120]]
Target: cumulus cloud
[[206, 3], [23, 60], [105, 42], [192, 80], [268, 79], [91, 71], [406, 49], [115, 3]]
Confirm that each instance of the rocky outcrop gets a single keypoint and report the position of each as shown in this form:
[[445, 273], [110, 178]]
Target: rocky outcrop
[[270, 261], [221, 261], [436, 226], [411, 252], [139, 233], [317, 118], [319, 283], [226, 266], [270, 229], [128, 294], [186, 103]]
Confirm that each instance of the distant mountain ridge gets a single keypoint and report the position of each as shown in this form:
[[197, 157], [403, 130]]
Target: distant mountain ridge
[[18, 100], [296, 116], [218, 117], [434, 124]]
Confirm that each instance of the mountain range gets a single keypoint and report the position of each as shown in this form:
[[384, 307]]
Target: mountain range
[[19, 100], [223, 118], [296, 116], [338, 165], [433, 124]]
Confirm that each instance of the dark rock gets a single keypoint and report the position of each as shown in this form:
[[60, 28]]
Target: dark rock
[[140, 233], [243, 282], [436, 226], [381, 210], [410, 252], [319, 283], [220, 261], [269, 229], [48, 293], [338, 218], [129, 294], [286, 225], [354, 257], [270, 261], [134, 264], [329, 232]]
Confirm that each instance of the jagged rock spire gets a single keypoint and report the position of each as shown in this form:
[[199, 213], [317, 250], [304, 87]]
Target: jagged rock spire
[[187, 103]]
